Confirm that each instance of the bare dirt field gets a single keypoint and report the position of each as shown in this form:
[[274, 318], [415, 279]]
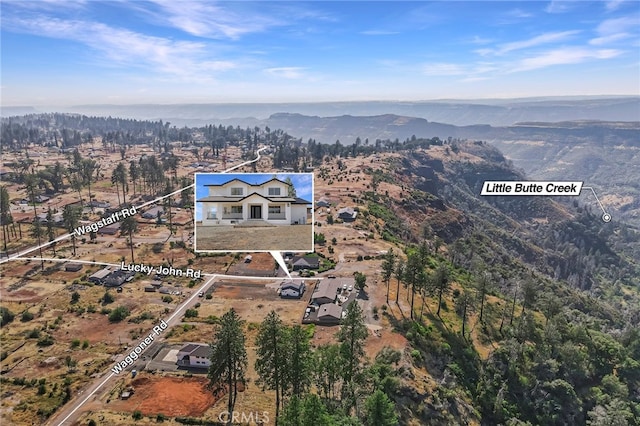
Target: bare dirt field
[[171, 396], [277, 238], [261, 264]]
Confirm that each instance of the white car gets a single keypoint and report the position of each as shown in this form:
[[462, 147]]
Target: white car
[[350, 288]]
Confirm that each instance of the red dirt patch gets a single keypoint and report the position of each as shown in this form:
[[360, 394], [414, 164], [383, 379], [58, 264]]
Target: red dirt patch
[[171, 396]]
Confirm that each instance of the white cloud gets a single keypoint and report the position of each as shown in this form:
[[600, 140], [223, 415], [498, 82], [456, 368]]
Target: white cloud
[[616, 29], [205, 19], [292, 73], [188, 60], [536, 41], [563, 56], [613, 5], [558, 6]]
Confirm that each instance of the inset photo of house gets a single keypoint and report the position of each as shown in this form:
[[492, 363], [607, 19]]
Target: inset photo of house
[[254, 212]]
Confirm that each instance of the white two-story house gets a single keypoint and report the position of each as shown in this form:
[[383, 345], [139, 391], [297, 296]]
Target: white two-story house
[[237, 201]]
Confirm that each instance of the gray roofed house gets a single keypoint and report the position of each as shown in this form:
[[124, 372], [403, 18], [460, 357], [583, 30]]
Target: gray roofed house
[[152, 213], [305, 262], [194, 355], [72, 267], [347, 214], [100, 276], [292, 289], [330, 313], [326, 291], [323, 202]]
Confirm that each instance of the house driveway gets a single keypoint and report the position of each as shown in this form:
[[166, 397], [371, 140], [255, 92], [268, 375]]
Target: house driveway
[[272, 238]]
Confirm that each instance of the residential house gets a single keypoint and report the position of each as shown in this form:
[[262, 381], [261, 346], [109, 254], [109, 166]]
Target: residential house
[[305, 262], [194, 355], [326, 291], [323, 202], [98, 204], [347, 214], [72, 267], [110, 229], [329, 313], [117, 278], [152, 213], [100, 276], [237, 201], [292, 290]]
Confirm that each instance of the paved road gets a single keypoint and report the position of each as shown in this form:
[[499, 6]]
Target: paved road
[[69, 414]]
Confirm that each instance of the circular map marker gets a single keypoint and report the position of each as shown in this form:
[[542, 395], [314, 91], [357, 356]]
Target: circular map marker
[[606, 217]]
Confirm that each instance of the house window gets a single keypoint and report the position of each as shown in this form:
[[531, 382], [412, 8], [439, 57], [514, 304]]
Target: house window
[[232, 209], [274, 209], [274, 191], [236, 191]]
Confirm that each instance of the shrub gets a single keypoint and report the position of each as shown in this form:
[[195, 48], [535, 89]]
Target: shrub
[[137, 415], [118, 314], [75, 343], [75, 297], [33, 334], [107, 298], [167, 299], [45, 341], [191, 313], [85, 344], [6, 316], [26, 316], [208, 296]]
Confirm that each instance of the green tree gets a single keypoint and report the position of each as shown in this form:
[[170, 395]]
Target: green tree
[[32, 182], [361, 280], [441, 283], [5, 213], [327, 362], [464, 305], [87, 168], [291, 190], [351, 336], [51, 234], [129, 226], [529, 294], [134, 173], [75, 297], [483, 286], [298, 360], [271, 356], [379, 410], [71, 220], [399, 275], [388, 265], [229, 357]]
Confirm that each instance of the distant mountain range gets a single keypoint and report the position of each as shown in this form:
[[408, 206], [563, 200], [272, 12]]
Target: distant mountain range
[[494, 112]]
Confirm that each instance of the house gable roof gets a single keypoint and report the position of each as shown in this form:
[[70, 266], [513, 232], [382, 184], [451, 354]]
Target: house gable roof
[[247, 183], [330, 310]]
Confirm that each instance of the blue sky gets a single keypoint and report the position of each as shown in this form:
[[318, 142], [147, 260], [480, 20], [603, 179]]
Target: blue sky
[[59, 52], [302, 182]]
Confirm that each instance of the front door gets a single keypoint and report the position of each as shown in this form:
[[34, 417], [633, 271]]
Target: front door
[[256, 212]]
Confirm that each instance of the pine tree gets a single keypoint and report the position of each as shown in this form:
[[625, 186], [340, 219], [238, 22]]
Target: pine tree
[[379, 410], [271, 342], [388, 266], [229, 357], [351, 336]]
